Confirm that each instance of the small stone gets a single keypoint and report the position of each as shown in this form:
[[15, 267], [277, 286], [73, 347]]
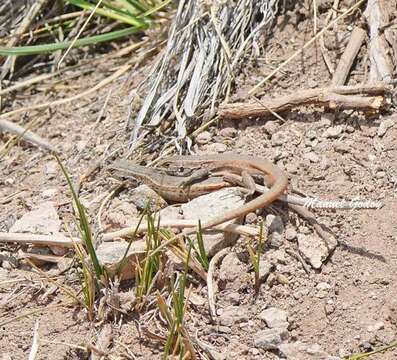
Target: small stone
[[275, 228], [282, 279], [228, 132], [271, 127], [251, 218], [323, 286], [43, 219], [313, 249], [231, 268], [274, 223], [342, 147], [203, 138], [376, 327], [333, 132], [51, 169], [386, 125], [233, 314], [49, 193], [290, 234], [327, 119], [265, 268], [216, 148], [270, 339], [274, 317], [279, 138], [311, 135], [143, 195], [312, 157], [110, 255]]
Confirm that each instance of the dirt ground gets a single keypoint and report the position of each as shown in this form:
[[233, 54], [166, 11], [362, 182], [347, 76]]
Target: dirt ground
[[348, 306]]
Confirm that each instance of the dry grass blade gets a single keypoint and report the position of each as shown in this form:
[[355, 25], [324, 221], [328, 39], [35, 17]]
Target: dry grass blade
[[205, 45], [35, 343]]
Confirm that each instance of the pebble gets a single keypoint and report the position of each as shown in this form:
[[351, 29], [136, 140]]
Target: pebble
[[312, 157], [313, 249], [290, 234], [203, 138], [279, 138], [143, 195], [228, 132], [386, 125], [251, 218], [231, 268], [233, 314], [376, 327], [271, 127], [270, 339], [51, 169], [216, 148], [274, 317], [333, 132]]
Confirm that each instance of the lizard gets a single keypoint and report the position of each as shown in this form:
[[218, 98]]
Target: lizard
[[221, 162], [172, 188]]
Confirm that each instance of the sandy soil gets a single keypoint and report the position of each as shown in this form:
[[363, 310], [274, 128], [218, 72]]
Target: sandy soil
[[355, 310]]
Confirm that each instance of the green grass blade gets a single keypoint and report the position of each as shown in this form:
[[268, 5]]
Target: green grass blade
[[203, 255], [48, 48], [110, 13], [84, 225]]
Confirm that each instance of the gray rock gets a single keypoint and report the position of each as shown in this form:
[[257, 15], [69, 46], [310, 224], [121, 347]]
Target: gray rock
[[386, 125], [313, 249], [270, 339], [111, 254], [231, 268], [274, 317], [275, 228], [210, 205], [143, 196], [233, 314], [333, 132]]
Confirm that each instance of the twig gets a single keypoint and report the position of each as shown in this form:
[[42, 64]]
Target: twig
[[210, 280], [25, 134], [311, 41], [346, 61], [381, 66], [35, 342], [24, 238], [180, 223], [342, 97]]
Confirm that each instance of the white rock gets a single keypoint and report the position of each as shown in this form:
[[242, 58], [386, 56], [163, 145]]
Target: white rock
[[41, 220], [274, 317], [290, 234], [313, 249], [49, 193], [110, 255], [51, 169], [279, 138], [209, 206]]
